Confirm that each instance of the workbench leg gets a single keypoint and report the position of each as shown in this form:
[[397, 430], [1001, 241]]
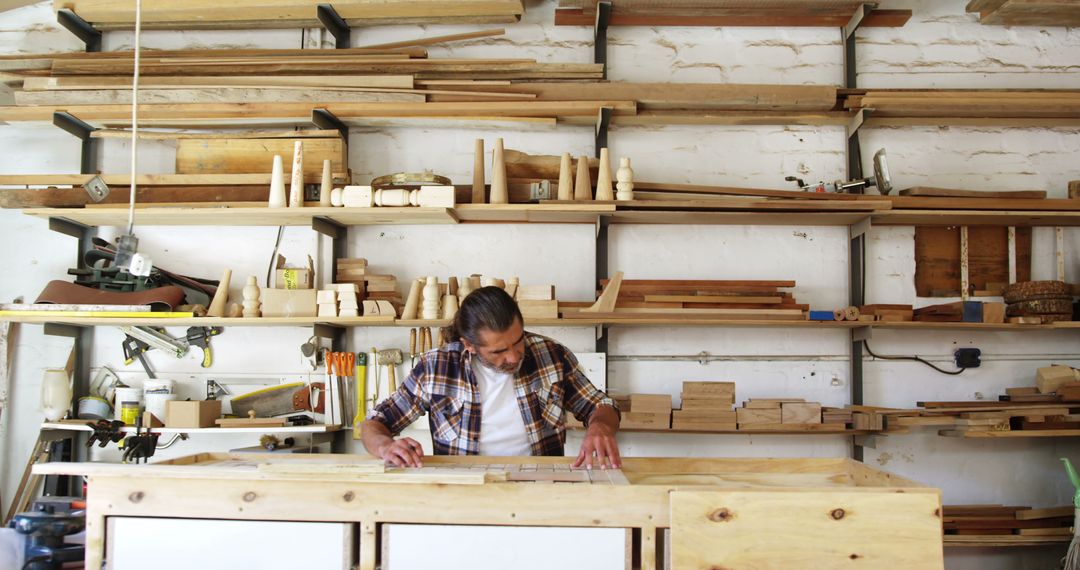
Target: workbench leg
[[95, 534], [368, 545], [648, 548]]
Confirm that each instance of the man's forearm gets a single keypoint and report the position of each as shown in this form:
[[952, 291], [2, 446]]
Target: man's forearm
[[375, 436], [605, 417]]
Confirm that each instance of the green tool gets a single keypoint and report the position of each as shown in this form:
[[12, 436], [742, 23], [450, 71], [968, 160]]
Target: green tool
[[361, 387], [1072, 557]]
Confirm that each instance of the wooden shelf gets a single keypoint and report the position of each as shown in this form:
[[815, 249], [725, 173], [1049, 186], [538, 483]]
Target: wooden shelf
[[845, 432], [249, 216], [636, 322], [590, 213], [795, 14], [80, 425], [1004, 541], [1013, 434]]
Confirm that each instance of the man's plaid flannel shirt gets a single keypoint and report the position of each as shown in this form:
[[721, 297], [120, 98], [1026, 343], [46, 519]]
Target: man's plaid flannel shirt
[[442, 384]]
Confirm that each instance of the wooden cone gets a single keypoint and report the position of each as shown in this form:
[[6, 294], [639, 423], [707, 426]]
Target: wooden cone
[[604, 190], [221, 296], [296, 188], [583, 186], [499, 193], [478, 173], [277, 185], [328, 184], [412, 303], [566, 178]]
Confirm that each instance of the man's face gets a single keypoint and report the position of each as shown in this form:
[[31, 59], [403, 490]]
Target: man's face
[[503, 351]]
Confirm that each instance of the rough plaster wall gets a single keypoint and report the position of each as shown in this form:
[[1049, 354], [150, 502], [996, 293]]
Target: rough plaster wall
[[941, 47]]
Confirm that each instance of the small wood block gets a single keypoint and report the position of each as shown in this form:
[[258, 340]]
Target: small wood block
[[708, 389], [1028, 320], [800, 413], [753, 416], [1049, 378], [326, 296], [1022, 391], [870, 421], [707, 416], [386, 308], [349, 313], [1074, 189], [381, 286], [371, 308], [766, 403], [149, 420], [707, 404], [539, 309], [646, 420], [993, 313], [346, 287], [328, 310], [535, 293], [655, 403]]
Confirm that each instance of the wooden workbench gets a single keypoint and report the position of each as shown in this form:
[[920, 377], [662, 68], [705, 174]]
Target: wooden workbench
[[722, 513]]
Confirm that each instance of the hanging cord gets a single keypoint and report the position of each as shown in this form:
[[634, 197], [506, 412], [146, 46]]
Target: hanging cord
[[866, 345], [135, 117]]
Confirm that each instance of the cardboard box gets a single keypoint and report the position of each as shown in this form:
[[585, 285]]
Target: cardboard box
[[293, 278], [192, 414], [285, 303]]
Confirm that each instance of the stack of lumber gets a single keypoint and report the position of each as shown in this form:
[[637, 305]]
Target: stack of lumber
[[966, 523], [1039, 302], [921, 106], [648, 411], [695, 299], [373, 287], [786, 13], [706, 406], [1026, 12], [536, 301], [783, 414], [204, 14]]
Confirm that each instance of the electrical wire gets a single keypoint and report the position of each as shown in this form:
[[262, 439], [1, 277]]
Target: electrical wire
[[135, 117], [866, 345]]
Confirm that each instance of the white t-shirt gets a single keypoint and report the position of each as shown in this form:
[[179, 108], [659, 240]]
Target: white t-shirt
[[502, 429]]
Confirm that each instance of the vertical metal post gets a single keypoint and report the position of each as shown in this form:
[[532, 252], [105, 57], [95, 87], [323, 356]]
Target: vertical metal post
[[603, 16], [857, 298], [602, 225]]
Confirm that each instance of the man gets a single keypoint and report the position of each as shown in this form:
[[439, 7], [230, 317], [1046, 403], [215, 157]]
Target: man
[[497, 390]]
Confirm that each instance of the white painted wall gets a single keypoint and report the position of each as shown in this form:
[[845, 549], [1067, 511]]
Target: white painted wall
[[941, 47]]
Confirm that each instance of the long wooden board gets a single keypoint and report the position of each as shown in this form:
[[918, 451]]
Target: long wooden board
[[199, 94], [161, 82], [195, 14], [234, 156], [951, 193]]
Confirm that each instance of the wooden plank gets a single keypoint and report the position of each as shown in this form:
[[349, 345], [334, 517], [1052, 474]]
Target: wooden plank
[[199, 94], [164, 82], [800, 413], [950, 193], [1051, 512], [768, 529], [435, 40], [713, 299], [197, 14], [236, 156]]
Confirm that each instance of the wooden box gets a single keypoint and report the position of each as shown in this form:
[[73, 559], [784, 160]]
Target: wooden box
[[192, 414]]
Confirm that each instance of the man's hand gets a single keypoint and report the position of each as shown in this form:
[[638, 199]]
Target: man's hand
[[600, 447], [404, 452]]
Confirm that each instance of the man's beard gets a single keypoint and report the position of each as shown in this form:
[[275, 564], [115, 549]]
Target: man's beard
[[507, 368]]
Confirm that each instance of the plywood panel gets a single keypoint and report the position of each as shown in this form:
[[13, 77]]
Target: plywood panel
[[937, 258], [758, 529]]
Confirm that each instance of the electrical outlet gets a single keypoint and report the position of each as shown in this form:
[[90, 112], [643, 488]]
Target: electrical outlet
[[968, 357]]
